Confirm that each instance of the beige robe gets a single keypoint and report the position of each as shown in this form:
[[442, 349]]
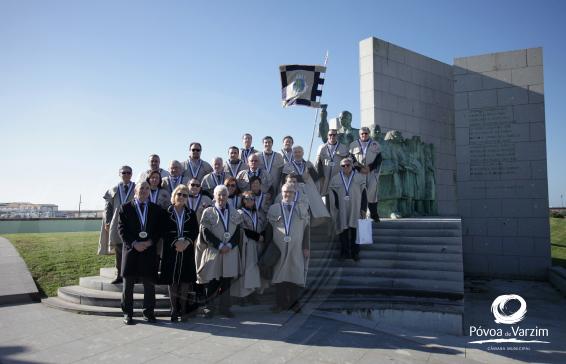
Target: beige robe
[[330, 164], [167, 184], [274, 167], [348, 211], [198, 205], [317, 208], [163, 198], [292, 266], [372, 179], [209, 182], [243, 180], [201, 169], [110, 239], [209, 262], [232, 170], [250, 249]]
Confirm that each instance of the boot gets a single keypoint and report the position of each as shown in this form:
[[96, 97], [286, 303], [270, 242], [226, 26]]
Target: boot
[[372, 206]]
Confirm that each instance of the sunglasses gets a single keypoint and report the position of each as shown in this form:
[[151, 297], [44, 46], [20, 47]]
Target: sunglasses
[[126, 172], [331, 134], [364, 133], [346, 165], [185, 195], [195, 185], [195, 150]]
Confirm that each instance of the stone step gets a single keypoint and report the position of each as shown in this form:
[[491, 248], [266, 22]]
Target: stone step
[[61, 304], [93, 297], [103, 284], [419, 223], [395, 256], [417, 240], [396, 264], [390, 273], [386, 283], [420, 233], [416, 248]]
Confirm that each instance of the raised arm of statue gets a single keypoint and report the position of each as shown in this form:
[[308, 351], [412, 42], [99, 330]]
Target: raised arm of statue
[[323, 125]]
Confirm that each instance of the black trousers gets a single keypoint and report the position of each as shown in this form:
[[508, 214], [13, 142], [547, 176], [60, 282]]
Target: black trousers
[[128, 296], [348, 246], [179, 296], [118, 252], [219, 289], [286, 294]]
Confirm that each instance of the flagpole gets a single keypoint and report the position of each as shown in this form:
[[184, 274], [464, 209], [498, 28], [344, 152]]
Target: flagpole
[[317, 110]]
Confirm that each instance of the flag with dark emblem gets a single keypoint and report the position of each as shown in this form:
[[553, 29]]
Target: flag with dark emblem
[[300, 85]]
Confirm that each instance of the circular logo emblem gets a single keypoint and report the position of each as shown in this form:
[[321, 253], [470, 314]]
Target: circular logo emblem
[[500, 314], [299, 84]]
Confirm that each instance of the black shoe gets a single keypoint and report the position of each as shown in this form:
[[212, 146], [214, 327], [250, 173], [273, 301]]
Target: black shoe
[[118, 280], [149, 318], [207, 312], [174, 318], [227, 313], [253, 299], [128, 320]]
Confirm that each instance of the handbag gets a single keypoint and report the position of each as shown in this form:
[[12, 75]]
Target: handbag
[[364, 233], [267, 260]]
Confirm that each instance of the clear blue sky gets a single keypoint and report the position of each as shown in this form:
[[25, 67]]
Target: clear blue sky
[[86, 86]]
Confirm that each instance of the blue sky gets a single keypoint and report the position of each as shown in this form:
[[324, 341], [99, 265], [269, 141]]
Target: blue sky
[[86, 86]]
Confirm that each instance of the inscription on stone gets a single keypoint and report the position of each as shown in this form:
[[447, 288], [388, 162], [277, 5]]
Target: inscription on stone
[[492, 143]]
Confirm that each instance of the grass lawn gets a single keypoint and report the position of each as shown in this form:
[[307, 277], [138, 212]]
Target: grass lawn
[[59, 259], [558, 239]]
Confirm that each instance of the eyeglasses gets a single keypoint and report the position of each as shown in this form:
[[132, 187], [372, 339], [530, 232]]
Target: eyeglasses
[[195, 185], [126, 172], [331, 134], [195, 150], [185, 195], [230, 185], [364, 133], [346, 165]]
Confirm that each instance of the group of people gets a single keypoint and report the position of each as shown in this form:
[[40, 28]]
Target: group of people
[[201, 228]]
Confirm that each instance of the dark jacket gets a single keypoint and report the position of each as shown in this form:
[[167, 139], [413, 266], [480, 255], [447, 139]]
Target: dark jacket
[[134, 263], [178, 267]]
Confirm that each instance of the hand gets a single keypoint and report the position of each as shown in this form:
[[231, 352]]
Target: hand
[[225, 249], [180, 246], [139, 246], [107, 227], [306, 253]]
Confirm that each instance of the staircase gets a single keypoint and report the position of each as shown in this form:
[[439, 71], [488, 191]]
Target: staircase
[[413, 269]]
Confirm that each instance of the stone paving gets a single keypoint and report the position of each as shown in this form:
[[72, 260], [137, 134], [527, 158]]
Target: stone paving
[[16, 284]]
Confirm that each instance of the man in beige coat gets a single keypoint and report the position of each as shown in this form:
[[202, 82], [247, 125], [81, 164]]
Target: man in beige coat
[[109, 237], [288, 228], [328, 159]]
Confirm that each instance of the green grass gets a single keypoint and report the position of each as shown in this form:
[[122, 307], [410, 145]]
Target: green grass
[[59, 259], [558, 239]]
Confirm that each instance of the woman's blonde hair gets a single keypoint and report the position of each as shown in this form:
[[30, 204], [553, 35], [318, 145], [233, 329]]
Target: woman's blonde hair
[[179, 188]]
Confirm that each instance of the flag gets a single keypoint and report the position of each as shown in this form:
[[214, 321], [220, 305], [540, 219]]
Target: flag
[[300, 84]]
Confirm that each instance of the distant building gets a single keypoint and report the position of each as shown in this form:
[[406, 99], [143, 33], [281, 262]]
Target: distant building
[[14, 210]]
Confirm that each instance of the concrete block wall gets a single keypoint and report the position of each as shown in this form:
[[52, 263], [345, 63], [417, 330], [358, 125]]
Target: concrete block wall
[[501, 164], [403, 90]]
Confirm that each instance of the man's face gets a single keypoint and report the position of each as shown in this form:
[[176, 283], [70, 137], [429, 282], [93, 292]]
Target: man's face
[[126, 175], [143, 192], [234, 154], [287, 194], [347, 167], [364, 135], [194, 187], [332, 136], [298, 154], [247, 140], [267, 145], [195, 151], [175, 170], [287, 143], [218, 165], [154, 163], [253, 162], [221, 197]]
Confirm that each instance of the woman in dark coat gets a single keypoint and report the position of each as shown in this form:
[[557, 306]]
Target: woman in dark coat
[[178, 264]]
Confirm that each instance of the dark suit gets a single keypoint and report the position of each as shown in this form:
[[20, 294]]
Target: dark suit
[[136, 264]]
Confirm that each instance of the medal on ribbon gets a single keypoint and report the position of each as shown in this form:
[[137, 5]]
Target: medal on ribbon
[[192, 204], [253, 217], [153, 195], [225, 217], [142, 216], [347, 185], [300, 171], [195, 174], [232, 172], [180, 223], [266, 164], [124, 198], [287, 221]]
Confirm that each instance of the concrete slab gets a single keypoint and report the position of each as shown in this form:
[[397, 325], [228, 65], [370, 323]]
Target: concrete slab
[[16, 285]]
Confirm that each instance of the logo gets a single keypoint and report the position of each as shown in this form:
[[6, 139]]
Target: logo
[[498, 309], [505, 311], [299, 84]]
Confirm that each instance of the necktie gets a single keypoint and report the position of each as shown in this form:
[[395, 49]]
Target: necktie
[[126, 188], [288, 208]]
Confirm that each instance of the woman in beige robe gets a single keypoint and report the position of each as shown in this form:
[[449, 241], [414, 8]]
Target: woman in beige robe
[[217, 254], [347, 203], [197, 201], [288, 228]]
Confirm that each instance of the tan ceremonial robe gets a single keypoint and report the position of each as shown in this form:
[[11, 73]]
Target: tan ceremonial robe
[[292, 266], [272, 163], [198, 204], [169, 184], [349, 204], [300, 196], [162, 197], [213, 179], [245, 153], [317, 208], [114, 199], [208, 260], [287, 157], [365, 159], [196, 169], [243, 180], [250, 248], [328, 159], [263, 203], [232, 169]]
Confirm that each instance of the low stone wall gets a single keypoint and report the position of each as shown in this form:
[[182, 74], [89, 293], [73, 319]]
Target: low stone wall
[[49, 225]]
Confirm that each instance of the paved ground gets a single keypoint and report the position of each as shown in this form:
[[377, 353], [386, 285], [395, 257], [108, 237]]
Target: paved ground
[[16, 284]]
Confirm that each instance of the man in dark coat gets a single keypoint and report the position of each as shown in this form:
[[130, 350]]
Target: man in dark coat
[[140, 230]]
